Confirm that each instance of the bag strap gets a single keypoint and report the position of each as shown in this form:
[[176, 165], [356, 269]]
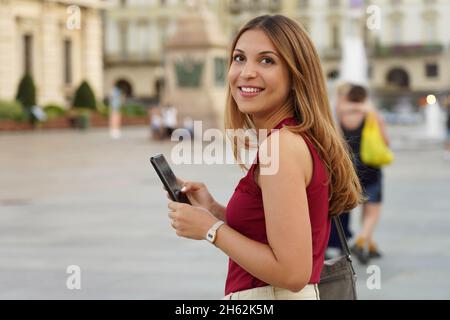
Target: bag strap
[[342, 238], [344, 244]]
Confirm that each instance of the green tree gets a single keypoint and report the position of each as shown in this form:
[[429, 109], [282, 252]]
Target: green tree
[[84, 97], [26, 92]]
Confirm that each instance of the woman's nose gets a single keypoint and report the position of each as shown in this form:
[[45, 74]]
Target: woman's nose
[[248, 71]]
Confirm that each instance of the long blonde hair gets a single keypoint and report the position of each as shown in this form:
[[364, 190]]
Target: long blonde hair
[[309, 102]]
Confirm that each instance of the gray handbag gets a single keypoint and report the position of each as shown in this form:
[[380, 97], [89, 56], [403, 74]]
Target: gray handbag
[[338, 278]]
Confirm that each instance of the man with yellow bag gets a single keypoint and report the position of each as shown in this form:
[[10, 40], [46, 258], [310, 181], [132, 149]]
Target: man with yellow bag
[[365, 132]]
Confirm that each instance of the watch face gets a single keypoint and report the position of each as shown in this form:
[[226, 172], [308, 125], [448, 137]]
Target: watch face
[[210, 237]]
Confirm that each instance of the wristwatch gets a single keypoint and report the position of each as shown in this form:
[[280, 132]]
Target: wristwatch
[[211, 234]]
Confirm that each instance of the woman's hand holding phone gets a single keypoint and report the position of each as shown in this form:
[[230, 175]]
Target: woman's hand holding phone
[[199, 196]]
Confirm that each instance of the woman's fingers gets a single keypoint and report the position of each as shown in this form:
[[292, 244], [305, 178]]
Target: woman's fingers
[[191, 186]]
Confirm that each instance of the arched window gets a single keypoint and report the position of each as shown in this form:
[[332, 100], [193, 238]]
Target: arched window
[[333, 74], [125, 87], [398, 78]]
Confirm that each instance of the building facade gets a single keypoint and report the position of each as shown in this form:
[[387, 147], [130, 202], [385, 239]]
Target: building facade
[[408, 43], [58, 42]]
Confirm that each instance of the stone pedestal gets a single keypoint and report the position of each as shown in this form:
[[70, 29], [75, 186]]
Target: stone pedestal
[[196, 67]]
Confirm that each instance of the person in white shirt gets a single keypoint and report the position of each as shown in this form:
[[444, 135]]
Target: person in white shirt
[[170, 119]]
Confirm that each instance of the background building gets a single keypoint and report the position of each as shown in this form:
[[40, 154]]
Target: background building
[[408, 54], [135, 33], [48, 40]]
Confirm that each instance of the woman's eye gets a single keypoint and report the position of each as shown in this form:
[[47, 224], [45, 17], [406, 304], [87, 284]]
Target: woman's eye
[[238, 58], [266, 60]]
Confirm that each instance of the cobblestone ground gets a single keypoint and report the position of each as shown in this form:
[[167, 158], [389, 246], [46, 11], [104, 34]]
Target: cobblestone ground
[[80, 198]]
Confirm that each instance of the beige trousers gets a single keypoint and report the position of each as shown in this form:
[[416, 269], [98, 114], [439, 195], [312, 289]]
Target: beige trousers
[[310, 292]]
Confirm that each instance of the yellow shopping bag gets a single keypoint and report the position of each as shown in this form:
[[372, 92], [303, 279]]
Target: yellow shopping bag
[[374, 151]]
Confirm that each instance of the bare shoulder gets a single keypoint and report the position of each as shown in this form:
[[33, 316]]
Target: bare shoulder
[[292, 149]]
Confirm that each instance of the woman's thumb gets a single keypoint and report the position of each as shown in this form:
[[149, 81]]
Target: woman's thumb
[[186, 187]]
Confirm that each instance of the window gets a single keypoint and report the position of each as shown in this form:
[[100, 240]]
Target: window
[[333, 75], [275, 5], [398, 78], [28, 53], [432, 70], [255, 5], [67, 61], [430, 31], [123, 31], [236, 6], [334, 3], [335, 37], [396, 32], [220, 71], [303, 4]]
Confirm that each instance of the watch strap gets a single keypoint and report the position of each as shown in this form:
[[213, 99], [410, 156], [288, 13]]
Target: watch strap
[[211, 234]]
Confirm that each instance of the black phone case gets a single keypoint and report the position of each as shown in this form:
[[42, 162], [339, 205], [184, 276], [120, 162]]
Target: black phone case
[[173, 189]]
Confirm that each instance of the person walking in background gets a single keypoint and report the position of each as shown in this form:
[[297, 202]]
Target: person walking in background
[[447, 138], [170, 119], [114, 113], [352, 113], [156, 123], [334, 241], [188, 124]]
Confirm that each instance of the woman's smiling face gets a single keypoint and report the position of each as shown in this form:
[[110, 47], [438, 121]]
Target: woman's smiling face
[[258, 77]]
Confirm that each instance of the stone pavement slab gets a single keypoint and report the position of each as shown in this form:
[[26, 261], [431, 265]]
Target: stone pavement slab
[[80, 198]]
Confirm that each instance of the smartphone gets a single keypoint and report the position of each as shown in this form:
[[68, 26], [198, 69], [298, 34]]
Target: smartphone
[[168, 178]]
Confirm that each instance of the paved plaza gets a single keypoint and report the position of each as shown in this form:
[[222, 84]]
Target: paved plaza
[[80, 198]]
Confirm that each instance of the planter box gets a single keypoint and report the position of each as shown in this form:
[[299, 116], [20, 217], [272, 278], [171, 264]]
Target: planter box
[[96, 121], [134, 121], [11, 125], [55, 123]]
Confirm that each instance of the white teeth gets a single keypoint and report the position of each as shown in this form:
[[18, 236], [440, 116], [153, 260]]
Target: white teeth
[[250, 89]]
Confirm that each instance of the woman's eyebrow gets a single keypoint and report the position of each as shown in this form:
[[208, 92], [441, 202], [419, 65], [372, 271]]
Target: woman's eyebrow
[[262, 52]]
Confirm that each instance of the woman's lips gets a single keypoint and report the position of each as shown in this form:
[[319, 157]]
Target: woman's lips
[[249, 94]]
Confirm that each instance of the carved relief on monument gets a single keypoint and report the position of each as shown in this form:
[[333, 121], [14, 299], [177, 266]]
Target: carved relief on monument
[[189, 72]]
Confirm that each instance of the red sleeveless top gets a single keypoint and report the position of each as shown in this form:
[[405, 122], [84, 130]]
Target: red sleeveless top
[[245, 214]]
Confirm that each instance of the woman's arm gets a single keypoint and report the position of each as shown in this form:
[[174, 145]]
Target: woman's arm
[[287, 260], [218, 211], [383, 130]]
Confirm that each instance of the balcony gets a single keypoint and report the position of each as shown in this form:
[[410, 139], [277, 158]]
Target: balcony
[[149, 59], [330, 53], [412, 50]]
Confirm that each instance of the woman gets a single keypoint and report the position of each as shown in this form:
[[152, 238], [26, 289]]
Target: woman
[[277, 225], [352, 114]]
